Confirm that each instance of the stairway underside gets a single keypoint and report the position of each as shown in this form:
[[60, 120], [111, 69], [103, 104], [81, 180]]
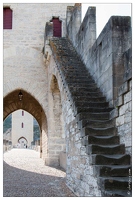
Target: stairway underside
[[99, 134]]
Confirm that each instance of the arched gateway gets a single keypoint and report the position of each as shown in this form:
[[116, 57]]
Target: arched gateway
[[26, 71], [28, 103], [75, 93]]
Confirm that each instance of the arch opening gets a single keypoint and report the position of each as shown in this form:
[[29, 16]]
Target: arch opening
[[31, 105], [22, 141], [17, 136], [56, 135]]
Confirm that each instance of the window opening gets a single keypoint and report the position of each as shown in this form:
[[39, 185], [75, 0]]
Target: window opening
[[7, 18], [22, 113], [56, 27]]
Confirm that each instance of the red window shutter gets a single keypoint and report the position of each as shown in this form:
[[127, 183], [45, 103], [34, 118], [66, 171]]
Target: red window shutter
[[56, 27], [7, 18]]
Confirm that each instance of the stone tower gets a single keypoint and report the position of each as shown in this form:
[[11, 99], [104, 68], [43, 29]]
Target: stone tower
[[78, 88], [22, 129]]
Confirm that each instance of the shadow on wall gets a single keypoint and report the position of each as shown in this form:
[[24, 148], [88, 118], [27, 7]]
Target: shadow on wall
[[22, 183]]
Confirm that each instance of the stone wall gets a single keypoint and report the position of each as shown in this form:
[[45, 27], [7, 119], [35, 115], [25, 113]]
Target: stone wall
[[107, 61], [103, 56], [7, 145], [80, 176], [73, 21], [23, 58], [124, 119], [123, 104], [24, 68]]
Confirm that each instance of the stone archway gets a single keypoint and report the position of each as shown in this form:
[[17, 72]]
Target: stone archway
[[56, 134], [23, 142], [57, 107], [31, 105]]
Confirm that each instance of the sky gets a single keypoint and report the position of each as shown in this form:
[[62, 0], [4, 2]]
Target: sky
[[105, 10]]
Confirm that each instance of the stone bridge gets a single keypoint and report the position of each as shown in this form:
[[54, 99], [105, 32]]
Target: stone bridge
[[78, 88]]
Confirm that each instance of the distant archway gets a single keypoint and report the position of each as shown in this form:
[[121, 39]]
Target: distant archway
[[22, 142]]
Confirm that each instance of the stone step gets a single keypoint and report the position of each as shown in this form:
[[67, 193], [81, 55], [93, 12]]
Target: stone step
[[117, 193], [95, 123], [113, 170], [91, 104], [84, 89], [68, 72], [111, 131], [89, 99], [80, 78], [67, 63], [88, 94], [73, 66], [96, 106], [110, 159], [90, 110], [75, 69], [75, 83], [67, 53], [114, 183], [100, 140], [78, 81], [93, 116], [78, 74], [105, 149]]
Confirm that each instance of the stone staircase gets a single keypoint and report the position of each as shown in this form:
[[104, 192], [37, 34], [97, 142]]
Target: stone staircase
[[99, 134]]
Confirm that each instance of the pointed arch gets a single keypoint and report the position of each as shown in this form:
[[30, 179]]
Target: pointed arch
[[32, 106]]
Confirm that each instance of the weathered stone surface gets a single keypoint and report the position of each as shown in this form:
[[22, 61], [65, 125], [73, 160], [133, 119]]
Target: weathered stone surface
[[123, 89], [114, 113], [56, 82]]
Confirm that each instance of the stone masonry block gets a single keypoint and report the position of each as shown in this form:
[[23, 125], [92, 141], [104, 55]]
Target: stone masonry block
[[127, 117], [119, 101], [120, 121], [127, 75], [130, 84], [122, 109], [114, 113], [55, 147], [128, 97], [123, 89]]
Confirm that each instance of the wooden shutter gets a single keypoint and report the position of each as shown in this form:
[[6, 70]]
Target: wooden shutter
[[56, 27], [7, 18]]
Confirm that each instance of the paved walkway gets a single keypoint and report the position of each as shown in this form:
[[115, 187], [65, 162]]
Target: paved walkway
[[25, 175]]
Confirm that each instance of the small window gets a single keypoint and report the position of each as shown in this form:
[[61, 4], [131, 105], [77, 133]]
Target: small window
[[22, 125], [22, 113], [7, 18]]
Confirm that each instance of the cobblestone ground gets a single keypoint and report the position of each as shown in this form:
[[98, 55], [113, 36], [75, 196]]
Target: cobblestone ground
[[25, 175]]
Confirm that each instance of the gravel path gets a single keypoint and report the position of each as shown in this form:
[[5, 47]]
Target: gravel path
[[25, 175]]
